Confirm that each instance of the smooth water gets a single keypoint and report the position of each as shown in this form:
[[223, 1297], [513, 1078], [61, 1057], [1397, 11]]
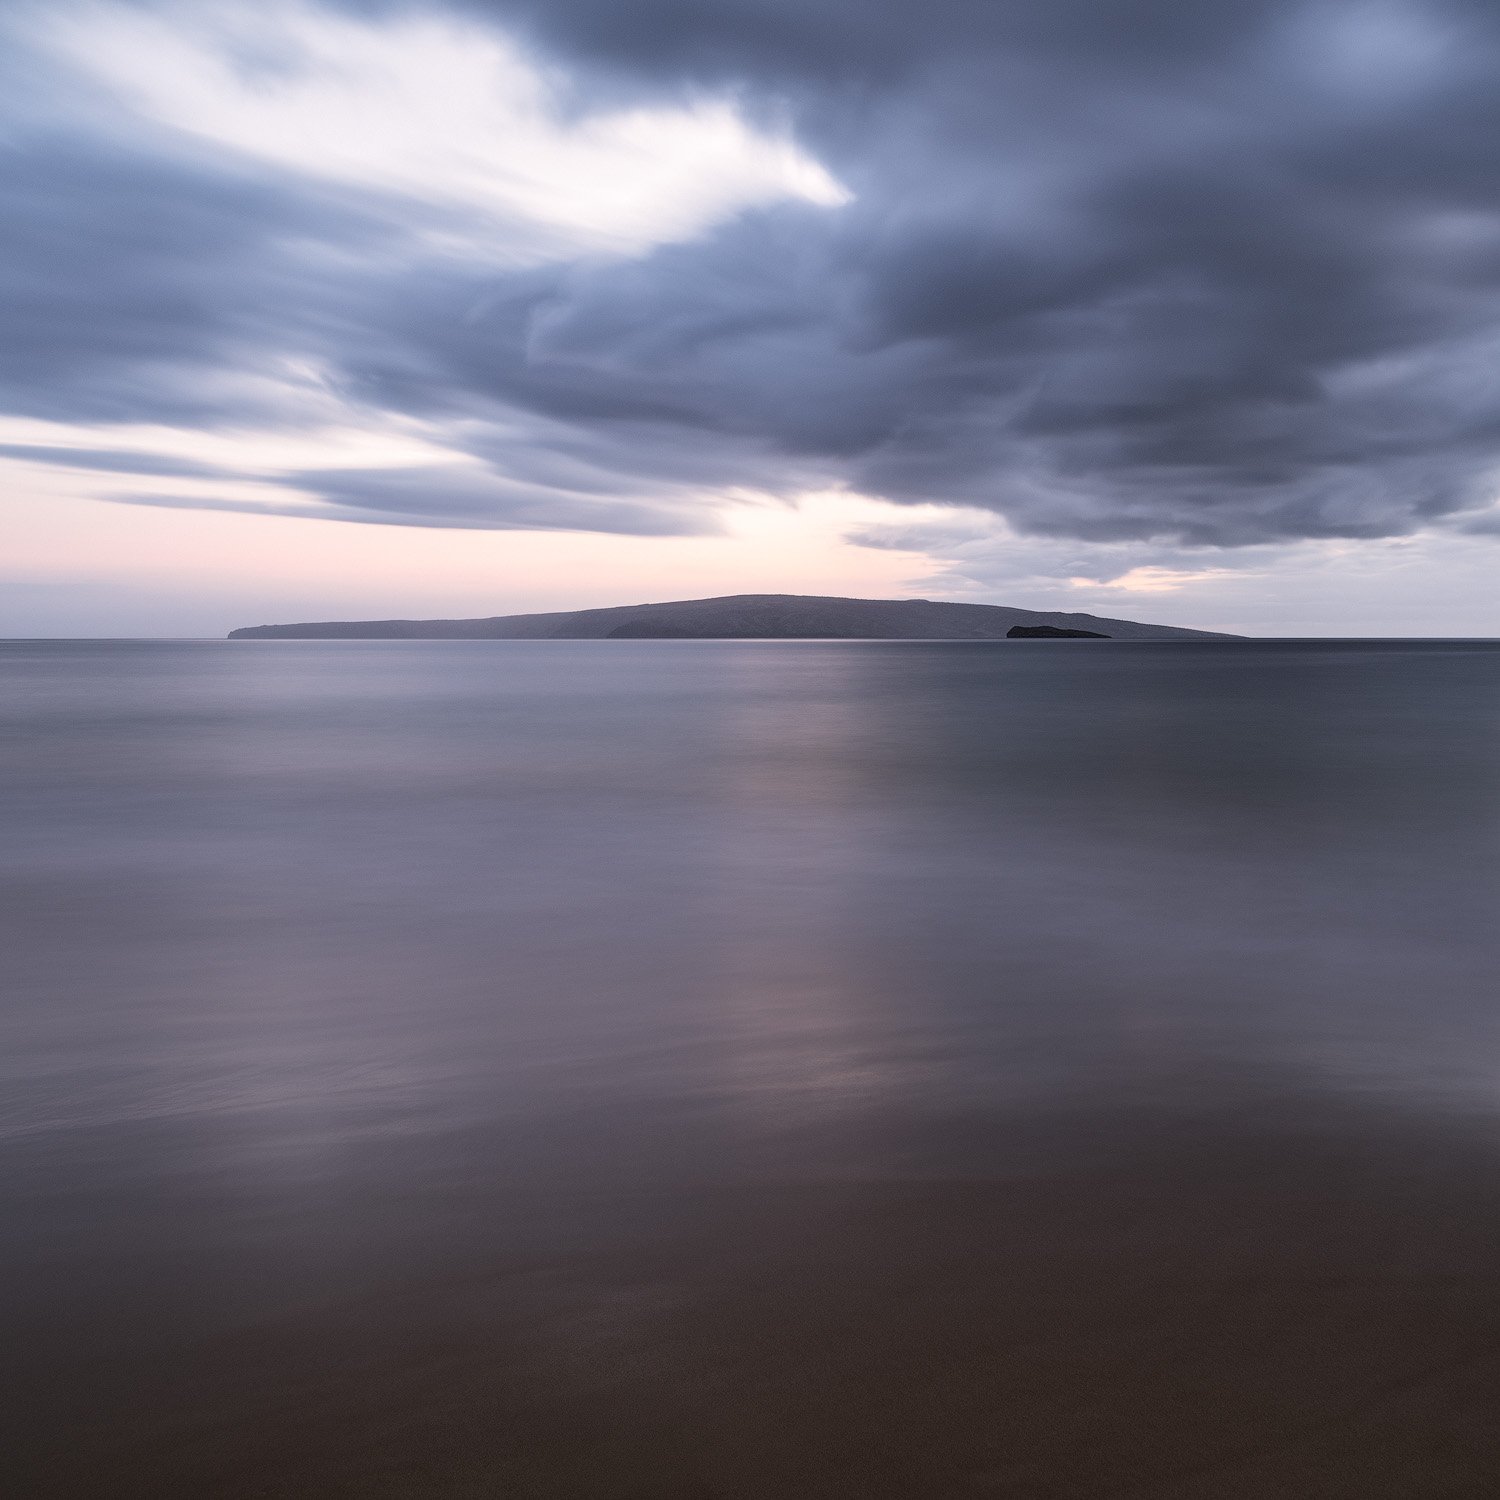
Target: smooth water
[[668, 1070]]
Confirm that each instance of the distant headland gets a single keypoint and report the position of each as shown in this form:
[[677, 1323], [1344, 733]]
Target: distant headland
[[749, 617]]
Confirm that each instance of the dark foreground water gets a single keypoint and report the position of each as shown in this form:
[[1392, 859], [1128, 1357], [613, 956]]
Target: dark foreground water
[[717, 1071]]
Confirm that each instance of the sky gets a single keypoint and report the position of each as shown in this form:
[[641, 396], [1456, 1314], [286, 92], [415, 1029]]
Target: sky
[[1176, 310]]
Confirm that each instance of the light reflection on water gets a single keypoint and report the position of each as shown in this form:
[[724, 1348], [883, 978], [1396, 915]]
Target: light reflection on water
[[343, 885], [332, 963], [320, 882]]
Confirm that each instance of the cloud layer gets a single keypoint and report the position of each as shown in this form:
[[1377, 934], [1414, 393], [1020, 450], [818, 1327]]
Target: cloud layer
[[1164, 273]]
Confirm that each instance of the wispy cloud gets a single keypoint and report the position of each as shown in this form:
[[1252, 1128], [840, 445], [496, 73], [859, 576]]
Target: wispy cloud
[[1150, 579], [440, 110]]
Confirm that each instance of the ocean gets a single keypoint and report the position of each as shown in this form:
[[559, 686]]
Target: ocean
[[704, 1070]]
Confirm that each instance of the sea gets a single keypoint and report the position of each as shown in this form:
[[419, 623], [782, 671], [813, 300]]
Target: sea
[[715, 1070]]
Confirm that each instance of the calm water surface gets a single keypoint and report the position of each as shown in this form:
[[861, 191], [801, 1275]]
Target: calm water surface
[[678, 1070]]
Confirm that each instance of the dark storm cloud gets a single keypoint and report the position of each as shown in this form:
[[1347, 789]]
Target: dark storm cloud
[[1221, 274], [865, 41], [1224, 274], [132, 283]]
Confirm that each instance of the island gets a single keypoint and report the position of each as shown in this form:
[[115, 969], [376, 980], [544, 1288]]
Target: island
[[750, 617]]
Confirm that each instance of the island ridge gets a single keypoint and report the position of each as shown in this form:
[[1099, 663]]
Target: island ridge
[[748, 617]]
